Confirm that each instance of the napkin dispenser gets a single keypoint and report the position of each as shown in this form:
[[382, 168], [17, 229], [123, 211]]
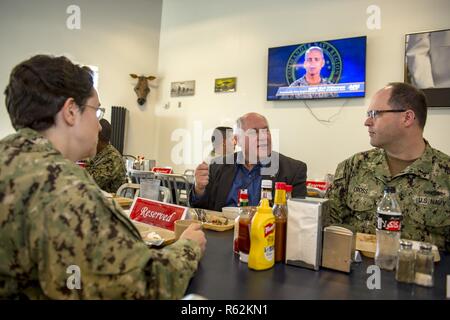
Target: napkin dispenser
[[304, 232], [338, 248]]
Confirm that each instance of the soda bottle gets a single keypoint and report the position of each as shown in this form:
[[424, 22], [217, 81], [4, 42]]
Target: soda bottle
[[389, 225], [280, 213], [266, 191], [262, 234], [244, 226]]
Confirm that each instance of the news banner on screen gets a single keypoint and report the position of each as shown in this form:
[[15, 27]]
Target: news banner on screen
[[342, 72]]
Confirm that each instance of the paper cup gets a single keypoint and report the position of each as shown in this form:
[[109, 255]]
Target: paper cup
[[181, 225]]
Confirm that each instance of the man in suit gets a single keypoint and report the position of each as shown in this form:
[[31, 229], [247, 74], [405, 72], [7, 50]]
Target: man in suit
[[218, 185]]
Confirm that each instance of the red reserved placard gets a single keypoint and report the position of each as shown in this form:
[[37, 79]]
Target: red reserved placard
[[321, 185], [162, 170], [157, 213]]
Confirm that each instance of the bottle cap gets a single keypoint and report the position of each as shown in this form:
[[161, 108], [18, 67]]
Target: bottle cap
[[425, 246], [280, 185], [389, 189], [288, 188], [406, 244], [266, 184], [264, 207]]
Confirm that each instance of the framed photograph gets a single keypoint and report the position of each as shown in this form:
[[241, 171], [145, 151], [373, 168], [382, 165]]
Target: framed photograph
[[183, 88], [225, 85]]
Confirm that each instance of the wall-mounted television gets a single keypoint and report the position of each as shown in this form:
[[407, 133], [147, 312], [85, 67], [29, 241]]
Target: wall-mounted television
[[427, 65], [318, 70]]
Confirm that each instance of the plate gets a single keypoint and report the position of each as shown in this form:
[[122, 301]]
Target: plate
[[367, 245], [216, 221], [167, 236]]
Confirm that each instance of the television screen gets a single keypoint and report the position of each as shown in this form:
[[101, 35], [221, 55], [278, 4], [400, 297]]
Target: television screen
[[427, 65], [317, 70]]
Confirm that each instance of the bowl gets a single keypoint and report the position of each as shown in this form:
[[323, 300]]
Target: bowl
[[230, 212]]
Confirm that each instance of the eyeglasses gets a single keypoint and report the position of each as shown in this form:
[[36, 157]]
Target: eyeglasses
[[374, 113], [99, 112]]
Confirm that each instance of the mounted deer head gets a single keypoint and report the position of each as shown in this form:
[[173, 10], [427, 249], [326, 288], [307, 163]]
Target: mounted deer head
[[141, 87]]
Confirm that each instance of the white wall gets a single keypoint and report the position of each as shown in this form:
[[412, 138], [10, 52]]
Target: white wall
[[120, 37], [205, 39]]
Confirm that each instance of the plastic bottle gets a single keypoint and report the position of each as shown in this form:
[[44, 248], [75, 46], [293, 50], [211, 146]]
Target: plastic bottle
[[389, 217], [262, 235], [266, 190], [244, 227], [280, 213]]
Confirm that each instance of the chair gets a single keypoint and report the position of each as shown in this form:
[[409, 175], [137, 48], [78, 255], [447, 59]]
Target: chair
[[179, 186], [137, 175], [132, 190], [128, 190], [128, 156], [189, 174]]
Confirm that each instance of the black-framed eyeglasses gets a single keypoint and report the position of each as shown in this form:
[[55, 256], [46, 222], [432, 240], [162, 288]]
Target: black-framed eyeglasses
[[99, 112], [375, 113]]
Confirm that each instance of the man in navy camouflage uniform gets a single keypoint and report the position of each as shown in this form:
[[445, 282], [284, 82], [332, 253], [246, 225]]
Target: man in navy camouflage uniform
[[403, 159]]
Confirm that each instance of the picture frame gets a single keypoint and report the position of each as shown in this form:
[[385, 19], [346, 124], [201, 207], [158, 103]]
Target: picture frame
[[182, 88], [225, 84]]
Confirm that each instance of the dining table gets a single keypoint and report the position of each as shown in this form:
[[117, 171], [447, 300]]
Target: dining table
[[221, 275]]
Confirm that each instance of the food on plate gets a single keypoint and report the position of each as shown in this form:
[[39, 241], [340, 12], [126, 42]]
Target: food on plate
[[153, 238], [213, 219]]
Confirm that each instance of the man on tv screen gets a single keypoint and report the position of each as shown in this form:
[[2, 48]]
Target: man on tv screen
[[314, 62], [316, 70]]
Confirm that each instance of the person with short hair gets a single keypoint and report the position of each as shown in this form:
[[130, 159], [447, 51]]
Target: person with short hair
[[222, 141], [107, 167], [61, 238], [403, 159], [313, 64], [217, 185]]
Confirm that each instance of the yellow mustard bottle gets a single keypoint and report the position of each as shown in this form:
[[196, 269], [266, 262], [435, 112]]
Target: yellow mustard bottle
[[262, 238]]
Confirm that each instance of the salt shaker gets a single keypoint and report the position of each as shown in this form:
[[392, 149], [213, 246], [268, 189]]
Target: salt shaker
[[424, 268], [405, 262]]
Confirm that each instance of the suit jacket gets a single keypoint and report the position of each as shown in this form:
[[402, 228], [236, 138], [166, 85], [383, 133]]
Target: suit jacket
[[221, 177]]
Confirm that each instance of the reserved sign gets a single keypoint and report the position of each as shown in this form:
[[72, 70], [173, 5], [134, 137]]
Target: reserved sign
[[162, 170], [321, 185], [157, 213]]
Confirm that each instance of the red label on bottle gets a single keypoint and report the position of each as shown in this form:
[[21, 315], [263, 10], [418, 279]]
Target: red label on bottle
[[389, 222], [268, 229]]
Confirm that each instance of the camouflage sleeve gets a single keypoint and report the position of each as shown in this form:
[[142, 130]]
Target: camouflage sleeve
[[118, 174], [82, 234], [337, 195], [108, 173]]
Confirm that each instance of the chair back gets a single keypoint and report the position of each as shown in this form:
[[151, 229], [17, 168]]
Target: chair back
[[178, 185], [165, 195], [132, 190], [137, 175], [129, 190]]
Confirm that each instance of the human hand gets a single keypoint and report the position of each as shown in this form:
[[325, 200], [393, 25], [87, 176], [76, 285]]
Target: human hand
[[201, 178], [194, 232]]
